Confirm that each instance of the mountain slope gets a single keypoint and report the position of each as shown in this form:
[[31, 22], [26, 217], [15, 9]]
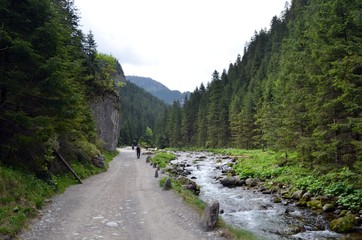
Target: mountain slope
[[158, 89], [139, 109]]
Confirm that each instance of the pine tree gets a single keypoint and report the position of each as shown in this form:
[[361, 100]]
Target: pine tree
[[214, 109]]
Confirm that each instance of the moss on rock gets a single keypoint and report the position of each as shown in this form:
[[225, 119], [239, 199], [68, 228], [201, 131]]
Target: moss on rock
[[314, 204], [343, 224]]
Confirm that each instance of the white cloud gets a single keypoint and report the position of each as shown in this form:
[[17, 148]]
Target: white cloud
[[178, 43]]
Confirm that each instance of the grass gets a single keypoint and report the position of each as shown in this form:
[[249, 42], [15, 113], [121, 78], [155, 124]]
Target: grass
[[341, 183], [186, 195], [22, 194], [162, 159]]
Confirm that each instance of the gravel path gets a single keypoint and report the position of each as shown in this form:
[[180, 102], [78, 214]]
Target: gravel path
[[124, 203]]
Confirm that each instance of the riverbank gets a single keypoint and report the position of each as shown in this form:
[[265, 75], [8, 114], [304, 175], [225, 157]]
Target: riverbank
[[189, 194], [276, 175], [342, 186]]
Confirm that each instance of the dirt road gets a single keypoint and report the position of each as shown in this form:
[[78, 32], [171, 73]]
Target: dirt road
[[123, 203]]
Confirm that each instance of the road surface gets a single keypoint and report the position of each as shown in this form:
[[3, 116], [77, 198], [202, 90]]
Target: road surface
[[124, 203]]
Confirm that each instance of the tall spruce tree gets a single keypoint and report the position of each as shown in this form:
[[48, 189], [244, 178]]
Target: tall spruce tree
[[42, 85]]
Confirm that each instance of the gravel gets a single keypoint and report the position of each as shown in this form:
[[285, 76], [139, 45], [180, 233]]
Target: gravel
[[126, 202]]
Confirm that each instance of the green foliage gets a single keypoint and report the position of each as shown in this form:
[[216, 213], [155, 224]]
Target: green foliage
[[256, 163], [87, 169], [140, 110], [162, 159], [43, 86], [104, 78], [236, 233], [162, 181], [295, 89], [187, 195], [352, 200], [147, 139], [43, 105], [341, 183], [108, 156], [20, 196], [21, 193], [343, 224]]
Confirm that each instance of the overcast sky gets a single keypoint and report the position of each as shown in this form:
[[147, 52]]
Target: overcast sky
[[176, 42]]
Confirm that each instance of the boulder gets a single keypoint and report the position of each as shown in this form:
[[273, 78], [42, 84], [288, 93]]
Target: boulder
[[183, 180], [189, 184], [297, 194], [343, 224], [283, 192], [167, 184], [251, 182], [231, 182], [170, 169], [314, 204], [210, 215], [307, 196], [99, 161], [193, 187], [328, 207]]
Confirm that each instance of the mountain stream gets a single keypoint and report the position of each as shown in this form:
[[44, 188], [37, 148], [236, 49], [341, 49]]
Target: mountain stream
[[250, 209]]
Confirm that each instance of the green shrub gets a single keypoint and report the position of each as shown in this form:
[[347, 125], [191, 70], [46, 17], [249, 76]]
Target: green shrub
[[342, 183], [20, 195], [162, 159], [352, 200]]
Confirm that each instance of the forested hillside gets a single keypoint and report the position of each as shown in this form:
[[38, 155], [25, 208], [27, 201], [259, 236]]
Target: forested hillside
[[158, 89], [51, 81], [141, 112], [297, 87], [50, 72]]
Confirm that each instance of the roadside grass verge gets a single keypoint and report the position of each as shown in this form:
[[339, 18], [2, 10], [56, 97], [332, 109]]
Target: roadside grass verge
[[22, 194], [186, 195], [162, 159]]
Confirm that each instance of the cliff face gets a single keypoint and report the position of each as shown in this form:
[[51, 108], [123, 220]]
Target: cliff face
[[106, 111]]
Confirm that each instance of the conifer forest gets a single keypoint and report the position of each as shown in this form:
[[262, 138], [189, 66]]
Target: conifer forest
[[295, 89]]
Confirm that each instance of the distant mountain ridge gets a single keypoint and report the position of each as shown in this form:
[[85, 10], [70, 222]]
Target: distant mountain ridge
[[158, 89]]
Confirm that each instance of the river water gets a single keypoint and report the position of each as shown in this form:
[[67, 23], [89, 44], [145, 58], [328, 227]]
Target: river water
[[252, 210]]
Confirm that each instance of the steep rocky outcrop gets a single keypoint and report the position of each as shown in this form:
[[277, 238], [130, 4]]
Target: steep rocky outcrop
[[106, 111]]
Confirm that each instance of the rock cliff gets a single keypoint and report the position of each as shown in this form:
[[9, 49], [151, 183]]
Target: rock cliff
[[106, 111]]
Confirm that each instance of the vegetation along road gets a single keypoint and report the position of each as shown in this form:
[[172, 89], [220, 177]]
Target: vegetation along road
[[125, 202]]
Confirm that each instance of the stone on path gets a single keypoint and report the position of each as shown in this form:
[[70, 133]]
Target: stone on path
[[210, 215], [167, 184], [112, 224]]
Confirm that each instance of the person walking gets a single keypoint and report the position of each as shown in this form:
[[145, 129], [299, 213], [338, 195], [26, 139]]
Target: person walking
[[138, 151]]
